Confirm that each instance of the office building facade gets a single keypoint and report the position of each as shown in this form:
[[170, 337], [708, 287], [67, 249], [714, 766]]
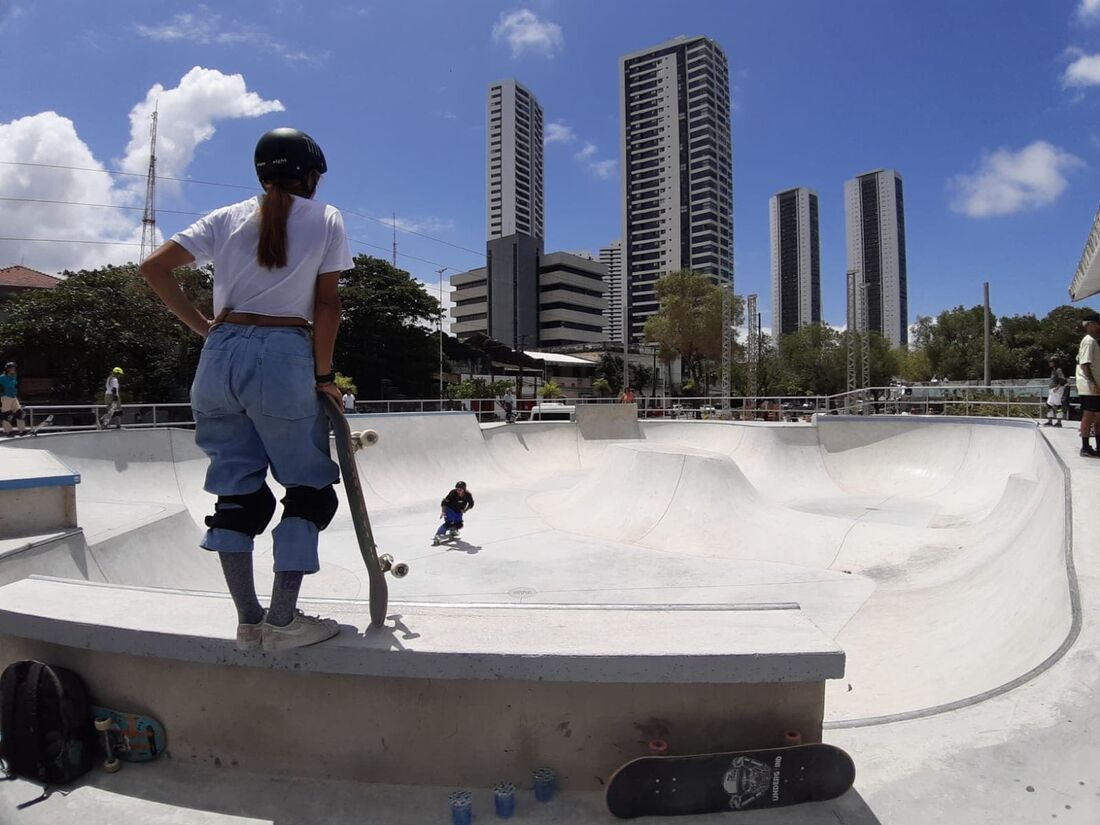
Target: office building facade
[[874, 208], [514, 165], [677, 169], [611, 256], [796, 260]]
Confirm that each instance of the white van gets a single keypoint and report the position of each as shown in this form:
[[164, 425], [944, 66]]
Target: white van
[[553, 411]]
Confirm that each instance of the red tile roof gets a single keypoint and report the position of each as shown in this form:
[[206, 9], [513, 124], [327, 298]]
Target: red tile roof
[[20, 276]]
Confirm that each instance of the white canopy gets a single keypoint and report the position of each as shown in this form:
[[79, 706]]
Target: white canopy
[[1086, 280]]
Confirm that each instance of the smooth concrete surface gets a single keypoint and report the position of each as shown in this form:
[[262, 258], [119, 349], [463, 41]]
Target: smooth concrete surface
[[167, 793], [598, 422], [886, 531], [924, 506], [587, 644], [430, 731]]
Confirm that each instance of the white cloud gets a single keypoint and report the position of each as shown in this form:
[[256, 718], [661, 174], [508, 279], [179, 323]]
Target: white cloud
[[1007, 182], [1089, 10], [525, 32], [429, 225], [1084, 71], [188, 113], [603, 169], [559, 132], [600, 169], [10, 12], [206, 27]]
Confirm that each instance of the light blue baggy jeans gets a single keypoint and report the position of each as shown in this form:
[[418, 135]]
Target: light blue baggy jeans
[[255, 404]]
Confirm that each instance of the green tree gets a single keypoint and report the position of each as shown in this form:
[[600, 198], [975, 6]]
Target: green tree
[[602, 387], [386, 331], [551, 389], [610, 369], [688, 323], [98, 319]]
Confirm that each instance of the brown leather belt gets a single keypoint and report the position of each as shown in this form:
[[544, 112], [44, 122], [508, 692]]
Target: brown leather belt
[[251, 319]]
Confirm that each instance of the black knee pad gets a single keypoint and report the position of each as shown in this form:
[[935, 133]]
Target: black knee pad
[[19, 414], [248, 514], [318, 506], [9, 417]]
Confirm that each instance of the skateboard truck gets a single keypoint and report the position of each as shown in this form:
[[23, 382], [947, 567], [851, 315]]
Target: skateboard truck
[[363, 438], [397, 569], [105, 726]]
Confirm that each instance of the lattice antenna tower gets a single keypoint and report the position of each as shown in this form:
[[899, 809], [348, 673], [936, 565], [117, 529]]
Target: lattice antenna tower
[[852, 334], [753, 344], [149, 217], [727, 344], [864, 332]]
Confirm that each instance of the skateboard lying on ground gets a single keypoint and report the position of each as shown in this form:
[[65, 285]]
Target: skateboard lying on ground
[[377, 567], [47, 421], [129, 737], [735, 781]]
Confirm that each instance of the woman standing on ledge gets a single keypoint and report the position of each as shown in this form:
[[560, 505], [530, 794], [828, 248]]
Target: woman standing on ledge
[[277, 260]]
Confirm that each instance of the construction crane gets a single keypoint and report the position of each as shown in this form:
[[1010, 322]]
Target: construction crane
[[727, 344], [149, 217], [753, 344]]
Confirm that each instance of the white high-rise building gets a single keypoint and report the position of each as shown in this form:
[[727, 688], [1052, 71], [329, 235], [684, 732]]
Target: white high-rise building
[[796, 260], [514, 162], [677, 168], [875, 221], [611, 256]]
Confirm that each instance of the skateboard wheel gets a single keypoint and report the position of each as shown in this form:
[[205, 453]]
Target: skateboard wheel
[[400, 570], [112, 765], [658, 747], [370, 437], [792, 737], [103, 725]]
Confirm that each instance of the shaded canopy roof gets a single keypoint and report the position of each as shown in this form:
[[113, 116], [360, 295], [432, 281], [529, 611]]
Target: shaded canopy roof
[[499, 353], [1086, 280]]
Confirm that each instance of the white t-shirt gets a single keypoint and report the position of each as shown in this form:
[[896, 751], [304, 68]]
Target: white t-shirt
[[1087, 353], [349, 401], [112, 385], [228, 237]]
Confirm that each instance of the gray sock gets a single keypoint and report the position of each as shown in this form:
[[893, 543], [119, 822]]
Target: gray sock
[[284, 597], [237, 568]]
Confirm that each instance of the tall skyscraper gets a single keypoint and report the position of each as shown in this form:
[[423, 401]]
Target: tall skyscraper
[[514, 162], [677, 168], [611, 256], [875, 222], [796, 260]]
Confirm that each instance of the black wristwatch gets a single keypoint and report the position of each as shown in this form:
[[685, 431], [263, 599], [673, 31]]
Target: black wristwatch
[[327, 378]]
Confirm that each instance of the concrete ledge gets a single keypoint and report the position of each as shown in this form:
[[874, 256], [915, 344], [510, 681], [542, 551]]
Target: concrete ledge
[[37, 493], [590, 644]]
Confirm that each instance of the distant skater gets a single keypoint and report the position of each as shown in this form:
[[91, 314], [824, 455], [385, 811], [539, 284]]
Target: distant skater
[[452, 507], [1057, 395], [277, 263], [628, 396], [10, 408], [508, 401], [348, 400], [112, 397]]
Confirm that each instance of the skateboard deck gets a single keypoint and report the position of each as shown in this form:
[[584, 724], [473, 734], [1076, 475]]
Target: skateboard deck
[[47, 421], [345, 457], [132, 737], [734, 781]]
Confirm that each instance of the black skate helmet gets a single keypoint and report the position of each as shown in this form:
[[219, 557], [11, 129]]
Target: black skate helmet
[[287, 153], [460, 485]]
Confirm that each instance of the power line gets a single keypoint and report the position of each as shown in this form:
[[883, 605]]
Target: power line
[[131, 243], [347, 210], [100, 205]]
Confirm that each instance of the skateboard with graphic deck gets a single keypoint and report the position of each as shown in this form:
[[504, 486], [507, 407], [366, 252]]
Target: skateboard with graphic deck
[[377, 567], [47, 421], [129, 737], [734, 781]]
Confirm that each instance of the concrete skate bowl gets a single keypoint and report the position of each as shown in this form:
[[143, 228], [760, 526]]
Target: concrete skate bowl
[[933, 551]]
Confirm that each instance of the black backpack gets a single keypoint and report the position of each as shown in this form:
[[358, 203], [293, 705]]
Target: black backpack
[[46, 730]]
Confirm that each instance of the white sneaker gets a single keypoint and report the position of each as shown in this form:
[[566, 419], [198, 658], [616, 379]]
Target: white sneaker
[[302, 631]]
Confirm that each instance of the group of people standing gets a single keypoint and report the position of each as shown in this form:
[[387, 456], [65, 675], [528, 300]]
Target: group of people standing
[[14, 416]]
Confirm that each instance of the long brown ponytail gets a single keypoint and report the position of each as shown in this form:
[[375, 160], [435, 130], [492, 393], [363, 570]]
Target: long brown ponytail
[[274, 212]]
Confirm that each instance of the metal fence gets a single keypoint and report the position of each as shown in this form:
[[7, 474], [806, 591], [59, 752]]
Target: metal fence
[[1027, 401]]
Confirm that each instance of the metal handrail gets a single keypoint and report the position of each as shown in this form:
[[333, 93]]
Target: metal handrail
[[1019, 401]]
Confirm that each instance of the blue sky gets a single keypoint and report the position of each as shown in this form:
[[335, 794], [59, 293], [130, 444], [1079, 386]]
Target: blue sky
[[989, 110]]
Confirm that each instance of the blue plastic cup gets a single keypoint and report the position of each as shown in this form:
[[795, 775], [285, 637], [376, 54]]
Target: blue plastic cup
[[543, 779], [504, 798], [461, 807]]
